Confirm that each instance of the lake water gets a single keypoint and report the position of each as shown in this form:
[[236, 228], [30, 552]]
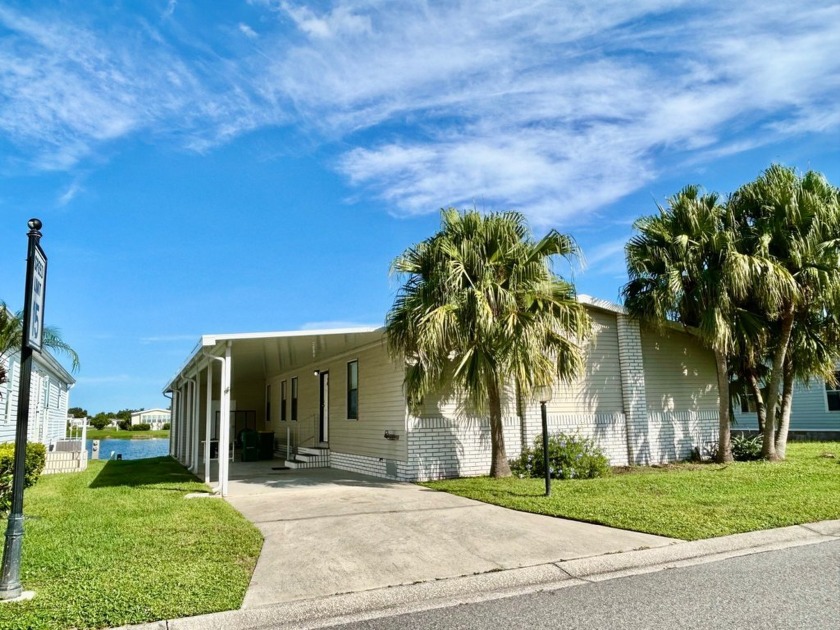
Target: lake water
[[131, 449]]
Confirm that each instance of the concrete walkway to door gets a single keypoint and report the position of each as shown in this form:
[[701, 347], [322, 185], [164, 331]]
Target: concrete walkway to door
[[327, 532]]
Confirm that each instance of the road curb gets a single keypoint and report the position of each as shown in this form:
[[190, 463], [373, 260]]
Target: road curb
[[498, 584]]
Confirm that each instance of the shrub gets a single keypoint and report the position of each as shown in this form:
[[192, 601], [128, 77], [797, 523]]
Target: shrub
[[143, 426], [165, 426], [746, 448], [100, 421], [569, 457], [36, 457]]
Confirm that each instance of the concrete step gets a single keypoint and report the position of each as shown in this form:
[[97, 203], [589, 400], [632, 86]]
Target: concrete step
[[310, 457]]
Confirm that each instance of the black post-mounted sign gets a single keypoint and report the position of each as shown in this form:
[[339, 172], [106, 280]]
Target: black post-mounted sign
[[33, 333]]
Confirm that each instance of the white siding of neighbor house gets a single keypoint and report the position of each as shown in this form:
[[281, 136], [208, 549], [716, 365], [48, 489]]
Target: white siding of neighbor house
[[381, 405], [809, 411], [49, 400]]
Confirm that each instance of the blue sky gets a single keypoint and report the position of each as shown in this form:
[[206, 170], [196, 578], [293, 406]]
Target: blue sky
[[256, 165]]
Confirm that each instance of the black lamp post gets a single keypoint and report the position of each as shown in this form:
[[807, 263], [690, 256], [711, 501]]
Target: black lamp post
[[33, 326], [544, 396]]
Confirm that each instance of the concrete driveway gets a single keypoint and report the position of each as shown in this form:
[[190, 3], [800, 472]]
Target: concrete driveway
[[328, 532]]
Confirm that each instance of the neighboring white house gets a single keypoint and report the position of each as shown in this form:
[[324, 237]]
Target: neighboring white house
[[814, 412], [155, 418], [644, 396], [48, 403]]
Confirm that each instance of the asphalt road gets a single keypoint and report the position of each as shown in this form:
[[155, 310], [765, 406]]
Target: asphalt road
[[797, 587]]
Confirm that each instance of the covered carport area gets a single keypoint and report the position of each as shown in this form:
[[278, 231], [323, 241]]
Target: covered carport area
[[228, 374]]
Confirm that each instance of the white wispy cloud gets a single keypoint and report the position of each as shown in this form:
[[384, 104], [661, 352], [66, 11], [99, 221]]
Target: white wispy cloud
[[557, 109], [247, 31], [560, 110], [70, 193], [69, 90]]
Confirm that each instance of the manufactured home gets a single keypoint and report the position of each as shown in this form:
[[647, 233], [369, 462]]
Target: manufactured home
[[335, 398], [48, 401]]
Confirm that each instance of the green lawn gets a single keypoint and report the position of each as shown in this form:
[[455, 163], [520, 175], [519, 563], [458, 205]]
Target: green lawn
[[688, 501], [116, 434], [118, 544]]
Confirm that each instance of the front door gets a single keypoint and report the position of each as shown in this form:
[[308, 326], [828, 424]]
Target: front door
[[325, 407]]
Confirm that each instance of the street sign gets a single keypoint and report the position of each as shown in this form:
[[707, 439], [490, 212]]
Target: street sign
[[38, 281]]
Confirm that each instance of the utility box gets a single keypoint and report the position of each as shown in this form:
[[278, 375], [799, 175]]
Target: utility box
[[266, 444]]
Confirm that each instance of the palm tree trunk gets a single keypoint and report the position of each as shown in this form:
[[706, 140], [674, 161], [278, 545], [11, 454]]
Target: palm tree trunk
[[768, 448], [760, 407], [724, 452], [784, 422], [499, 466]]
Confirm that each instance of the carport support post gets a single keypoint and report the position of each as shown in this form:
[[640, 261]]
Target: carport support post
[[195, 423], [224, 421], [208, 419]]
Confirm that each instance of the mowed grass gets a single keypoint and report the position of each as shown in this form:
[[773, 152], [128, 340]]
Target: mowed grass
[[119, 544], [687, 501], [119, 434]]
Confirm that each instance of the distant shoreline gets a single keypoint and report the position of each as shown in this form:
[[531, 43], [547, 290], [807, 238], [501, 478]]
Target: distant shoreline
[[107, 434]]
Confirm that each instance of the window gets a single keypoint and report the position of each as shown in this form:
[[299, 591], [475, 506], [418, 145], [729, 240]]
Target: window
[[748, 403], [832, 394], [294, 397], [353, 390], [267, 406], [283, 401]]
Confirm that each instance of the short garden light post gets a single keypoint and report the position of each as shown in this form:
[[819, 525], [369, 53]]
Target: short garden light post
[[544, 396]]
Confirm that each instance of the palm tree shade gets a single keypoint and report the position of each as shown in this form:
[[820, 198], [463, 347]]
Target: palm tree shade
[[11, 339]]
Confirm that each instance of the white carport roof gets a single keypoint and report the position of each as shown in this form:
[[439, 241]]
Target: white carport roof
[[257, 355]]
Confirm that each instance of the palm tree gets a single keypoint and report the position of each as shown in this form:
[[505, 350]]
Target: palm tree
[[795, 221], [684, 266], [11, 338], [480, 307]]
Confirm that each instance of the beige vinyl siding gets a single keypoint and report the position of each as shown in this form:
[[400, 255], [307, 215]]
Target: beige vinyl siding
[[306, 425], [455, 406], [598, 388], [250, 396], [680, 374], [381, 404]]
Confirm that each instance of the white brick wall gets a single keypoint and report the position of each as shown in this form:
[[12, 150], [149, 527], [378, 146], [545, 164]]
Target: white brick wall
[[633, 390], [673, 435]]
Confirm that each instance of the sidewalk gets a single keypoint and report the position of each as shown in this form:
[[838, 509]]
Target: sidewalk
[[500, 584]]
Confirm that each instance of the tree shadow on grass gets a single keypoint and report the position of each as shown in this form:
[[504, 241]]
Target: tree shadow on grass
[[153, 471]]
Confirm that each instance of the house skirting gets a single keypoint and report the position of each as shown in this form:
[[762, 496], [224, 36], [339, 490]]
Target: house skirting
[[443, 448]]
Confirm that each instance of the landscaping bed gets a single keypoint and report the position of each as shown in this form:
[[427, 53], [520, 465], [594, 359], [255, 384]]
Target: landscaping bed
[[119, 544], [687, 501]]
